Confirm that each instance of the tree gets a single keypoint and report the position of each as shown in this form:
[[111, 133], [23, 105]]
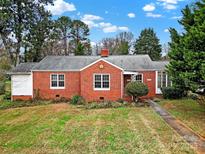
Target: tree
[[79, 38], [64, 25], [120, 44], [148, 43], [136, 89], [124, 42], [187, 55], [17, 16]]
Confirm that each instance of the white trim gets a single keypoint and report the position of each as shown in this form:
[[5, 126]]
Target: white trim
[[122, 85], [56, 70], [53, 88], [101, 89], [130, 73], [98, 61], [32, 84]]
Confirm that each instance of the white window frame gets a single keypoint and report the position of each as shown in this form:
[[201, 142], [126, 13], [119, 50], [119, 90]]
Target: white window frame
[[101, 89], [133, 77], [57, 81], [158, 89], [141, 76]]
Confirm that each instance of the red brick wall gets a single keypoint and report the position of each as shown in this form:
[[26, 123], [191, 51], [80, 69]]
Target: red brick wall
[[21, 98], [87, 90], [41, 81], [150, 80]]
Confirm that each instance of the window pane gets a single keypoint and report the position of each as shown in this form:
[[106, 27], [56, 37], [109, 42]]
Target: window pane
[[54, 77], [106, 78], [97, 84], [164, 79], [53, 83], [106, 85], [61, 77], [159, 80], [169, 83], [139, 78], [61, 83], [97, 77]]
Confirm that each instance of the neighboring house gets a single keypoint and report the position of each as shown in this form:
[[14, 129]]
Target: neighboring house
[[93, 77]]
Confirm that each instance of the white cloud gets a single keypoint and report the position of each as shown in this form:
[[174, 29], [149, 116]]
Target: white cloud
[[149, 14], [149, 7], [123, 28], [169, 1], [90, 19], [60, 6], [166, 30], [170, 6], [131, 15], [109, 28], [176, 17]]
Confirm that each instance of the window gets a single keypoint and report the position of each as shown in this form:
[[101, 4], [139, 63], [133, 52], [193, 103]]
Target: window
[[57, 81], [101, 81], [163, 80], [139, 78]]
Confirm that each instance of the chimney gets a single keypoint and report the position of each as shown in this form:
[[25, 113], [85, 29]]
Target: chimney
[[104, 52]]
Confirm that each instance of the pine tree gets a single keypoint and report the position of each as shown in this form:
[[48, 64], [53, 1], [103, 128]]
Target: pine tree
[[189, 49], [148, 43]]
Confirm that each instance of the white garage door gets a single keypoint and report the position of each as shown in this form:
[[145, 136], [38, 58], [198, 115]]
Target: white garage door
[[21, 85]]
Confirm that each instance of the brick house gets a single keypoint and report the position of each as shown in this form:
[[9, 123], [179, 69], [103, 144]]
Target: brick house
[[92, 77]]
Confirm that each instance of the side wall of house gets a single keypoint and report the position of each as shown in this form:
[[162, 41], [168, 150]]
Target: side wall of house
[[87, 85], [21, 87], [41, 83]]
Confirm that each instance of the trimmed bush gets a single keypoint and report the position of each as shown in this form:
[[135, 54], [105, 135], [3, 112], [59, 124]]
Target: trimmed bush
[[2, 88], [136, 90], [172, 93], [77, 100]]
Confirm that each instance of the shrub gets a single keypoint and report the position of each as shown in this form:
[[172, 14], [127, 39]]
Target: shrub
[[120, 100], [172, 93], [103, 105], [2, 88], [60, 100], [136, 90], [7, 95], [77, 100]]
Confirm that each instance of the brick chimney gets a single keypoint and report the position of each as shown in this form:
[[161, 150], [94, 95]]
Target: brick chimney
[[104, 52]]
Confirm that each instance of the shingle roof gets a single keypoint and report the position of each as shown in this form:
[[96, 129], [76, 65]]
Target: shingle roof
[[76, 63], [23, 68]]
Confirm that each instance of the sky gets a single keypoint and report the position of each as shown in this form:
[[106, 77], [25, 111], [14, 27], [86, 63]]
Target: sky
[[106, 18]]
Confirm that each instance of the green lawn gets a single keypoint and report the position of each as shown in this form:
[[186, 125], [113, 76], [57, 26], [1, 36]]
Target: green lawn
[[62, 128], [189, 112]]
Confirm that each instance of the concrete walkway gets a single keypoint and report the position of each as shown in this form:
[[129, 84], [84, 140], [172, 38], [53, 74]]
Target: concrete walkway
[[192, 138]]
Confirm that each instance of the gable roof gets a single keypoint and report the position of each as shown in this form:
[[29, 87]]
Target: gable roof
[[77, 63]]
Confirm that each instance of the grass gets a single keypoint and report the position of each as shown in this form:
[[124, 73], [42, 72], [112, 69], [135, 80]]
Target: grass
[[62, 128], [188, 111]]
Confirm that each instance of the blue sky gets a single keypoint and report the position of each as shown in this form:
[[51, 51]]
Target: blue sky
[[106, 18]]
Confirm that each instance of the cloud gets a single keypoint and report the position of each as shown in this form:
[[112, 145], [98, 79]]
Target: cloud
[[176, 17], [123, 28], [90, 19], [166, 30], [149, 7], [149, 14], [60, 6], [169, 1], [109, 28], [131, 15]]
